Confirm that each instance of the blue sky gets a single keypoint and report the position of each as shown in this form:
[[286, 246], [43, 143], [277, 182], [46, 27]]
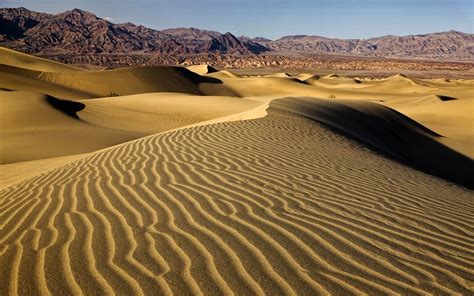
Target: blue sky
[[276, 18]]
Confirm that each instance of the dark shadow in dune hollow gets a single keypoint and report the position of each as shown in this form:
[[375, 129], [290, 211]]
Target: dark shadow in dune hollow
[[69, 108]]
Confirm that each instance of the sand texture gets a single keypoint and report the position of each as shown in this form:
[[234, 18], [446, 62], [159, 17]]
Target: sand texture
[[198, 181]]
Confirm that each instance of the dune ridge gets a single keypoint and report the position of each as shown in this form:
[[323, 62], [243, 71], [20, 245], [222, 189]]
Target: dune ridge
[[26, 61], [191, 211], [388, 132]]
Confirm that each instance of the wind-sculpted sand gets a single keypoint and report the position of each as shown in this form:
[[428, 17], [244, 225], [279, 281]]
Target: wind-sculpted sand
[[235, 189]]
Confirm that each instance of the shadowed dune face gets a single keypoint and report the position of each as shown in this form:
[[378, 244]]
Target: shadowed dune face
[[277, 205], [387, 131]]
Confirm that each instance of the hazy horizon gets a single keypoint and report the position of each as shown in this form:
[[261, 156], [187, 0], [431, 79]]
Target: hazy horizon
[[275, 19]]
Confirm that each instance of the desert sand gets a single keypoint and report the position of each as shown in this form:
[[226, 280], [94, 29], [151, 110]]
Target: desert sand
[[169, 180]]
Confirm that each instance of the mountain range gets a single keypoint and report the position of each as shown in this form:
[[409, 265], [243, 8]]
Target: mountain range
[[78, 32]]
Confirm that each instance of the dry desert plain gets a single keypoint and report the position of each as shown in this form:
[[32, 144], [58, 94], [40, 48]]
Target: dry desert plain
[[169, 180]]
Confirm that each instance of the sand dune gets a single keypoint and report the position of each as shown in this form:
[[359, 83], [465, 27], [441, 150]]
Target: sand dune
[[277, 205], [93, 84], [167, 180], [163, 111], [454, 119], [19, 79], [131, 81], [389, 132], [31, 128], [19, 171], [202, 69], [26, 61], [279, 75], [36, 126]]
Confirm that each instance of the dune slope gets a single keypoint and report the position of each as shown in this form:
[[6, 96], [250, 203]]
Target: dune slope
[[276, 205], [157, 112], [18, 79], [34, 126], [389, 132], [134, 80], [26, 61]]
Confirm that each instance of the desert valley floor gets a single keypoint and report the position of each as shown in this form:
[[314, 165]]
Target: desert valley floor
[[168, 180]]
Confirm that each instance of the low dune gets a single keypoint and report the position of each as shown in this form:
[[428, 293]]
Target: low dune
[[19, 79], [454, 119], [129, 81], [169, 180], [34, 127], [202, 69], [279, 75], [164, 111], [26, 61]]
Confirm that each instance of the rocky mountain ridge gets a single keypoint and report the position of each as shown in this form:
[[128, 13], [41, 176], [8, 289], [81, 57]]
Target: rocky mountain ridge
[[78, 32], [81, 32], [435, 45]]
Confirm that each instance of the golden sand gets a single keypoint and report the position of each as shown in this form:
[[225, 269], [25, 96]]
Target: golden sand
[[211, 183]]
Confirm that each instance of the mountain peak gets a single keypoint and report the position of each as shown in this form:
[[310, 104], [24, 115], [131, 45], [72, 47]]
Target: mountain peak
[[22, 9], [228, 43], [229, 35], [78, 13]]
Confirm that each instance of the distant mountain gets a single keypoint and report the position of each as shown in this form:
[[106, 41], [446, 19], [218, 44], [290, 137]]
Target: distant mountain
[[78, 32], [445, 45], [256, 39], [192, 33], [81, 32], [228, 43], [203, 41]]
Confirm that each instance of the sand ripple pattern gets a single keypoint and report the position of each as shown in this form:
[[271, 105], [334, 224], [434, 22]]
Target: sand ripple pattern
[[277, 205]]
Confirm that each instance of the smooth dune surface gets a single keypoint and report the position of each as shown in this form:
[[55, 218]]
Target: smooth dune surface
[[18, 79], [31, 128], [134, 80], [197, 181], [26, 61]]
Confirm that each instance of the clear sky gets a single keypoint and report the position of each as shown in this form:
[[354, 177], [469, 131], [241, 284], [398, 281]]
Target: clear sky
[[276, 18]]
